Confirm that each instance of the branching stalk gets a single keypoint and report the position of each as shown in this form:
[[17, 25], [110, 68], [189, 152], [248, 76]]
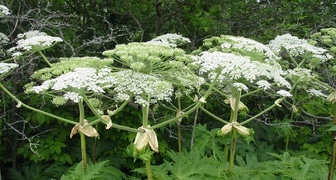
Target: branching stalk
[[44, 58], [34, 109]]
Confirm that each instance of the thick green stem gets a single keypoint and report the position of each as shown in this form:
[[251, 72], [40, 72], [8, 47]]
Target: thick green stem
[[236, 94], [145, 112], [149, 170], [232, 151], [179, 132], [333, 150], [44, 58], [34, 109], [82, 136]]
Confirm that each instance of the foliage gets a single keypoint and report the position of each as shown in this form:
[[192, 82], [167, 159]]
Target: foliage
[[99, 170], [36, 145]]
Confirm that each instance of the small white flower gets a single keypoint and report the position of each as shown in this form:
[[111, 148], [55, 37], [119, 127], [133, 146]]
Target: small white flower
[[233, 67], [72, 96], [172, 40], [297, 47], [6, 67], [317, 93], [34, 41], [263, 84], [241, 86], [4, 11], [284, 93], [130, 83]]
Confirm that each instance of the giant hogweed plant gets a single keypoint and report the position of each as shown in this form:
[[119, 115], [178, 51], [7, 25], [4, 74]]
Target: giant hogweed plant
[[146, 75], [156, 71]]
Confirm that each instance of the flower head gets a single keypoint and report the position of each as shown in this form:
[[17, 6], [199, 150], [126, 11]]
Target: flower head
[[4, 11], [237, 68], [34, 41], [297, 47], [147, 58], [6, 67], [240, 46], [172, 40], [81, 80], [129, 84]]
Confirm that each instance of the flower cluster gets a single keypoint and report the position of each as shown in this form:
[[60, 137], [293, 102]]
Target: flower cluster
[[297, 47], [237, 68], [81, 80], [34, 41], [172, 40], [69, 64], [240, 46], [147, 58], [4, 11], [3, 39], [133, 84], [6, 67], [325, 38]]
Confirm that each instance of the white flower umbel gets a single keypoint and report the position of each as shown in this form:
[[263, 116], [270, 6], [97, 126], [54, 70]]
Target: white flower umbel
[[233, 67], [297, 47], [172, 40], [3, 39], [130, 83], [34, 41], [6, 67], [284, 93], [240, 46], [315, 92], [81, 80], [4, 11], [147, 58]]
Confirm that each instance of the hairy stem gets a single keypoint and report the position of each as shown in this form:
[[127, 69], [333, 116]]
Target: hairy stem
[[179, 132]]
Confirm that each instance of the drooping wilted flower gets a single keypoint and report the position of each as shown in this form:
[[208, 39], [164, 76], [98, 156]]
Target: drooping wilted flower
[[240, 129], [34, 41], [142, 139], [85, 129]]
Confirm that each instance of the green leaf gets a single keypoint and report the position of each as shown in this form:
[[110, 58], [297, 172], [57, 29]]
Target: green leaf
[[332, 128]]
